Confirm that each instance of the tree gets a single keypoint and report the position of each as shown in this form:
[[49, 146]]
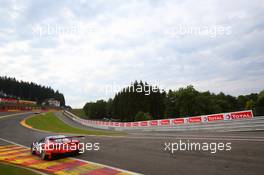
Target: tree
[[10, 87], [141, 101], [141, 116], [249, 104], [260, 104], [95, 110], [138, 97], [109, 108]]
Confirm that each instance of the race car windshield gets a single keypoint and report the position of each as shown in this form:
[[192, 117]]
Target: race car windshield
[[62, 140], [59, 139]]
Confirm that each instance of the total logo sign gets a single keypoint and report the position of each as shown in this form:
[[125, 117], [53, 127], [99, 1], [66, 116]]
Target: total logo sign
[[215, 117], [195, 119], [241, 115], [165, 122], [178, 121]]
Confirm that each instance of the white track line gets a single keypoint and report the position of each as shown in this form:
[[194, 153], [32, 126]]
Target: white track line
[[36, 171], [8, 141], [118, 169], [10, 115]]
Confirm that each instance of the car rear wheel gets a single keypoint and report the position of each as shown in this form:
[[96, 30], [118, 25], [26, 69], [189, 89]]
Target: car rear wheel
[[76, 153], [43, 155]]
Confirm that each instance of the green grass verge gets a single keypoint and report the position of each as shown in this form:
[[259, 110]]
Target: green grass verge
[[7, 169], [49, 122], [79, 112]]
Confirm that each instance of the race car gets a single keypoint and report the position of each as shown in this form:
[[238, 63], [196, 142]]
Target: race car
[[49, 146]]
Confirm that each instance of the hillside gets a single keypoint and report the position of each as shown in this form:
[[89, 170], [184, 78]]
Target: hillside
[[10, 87]]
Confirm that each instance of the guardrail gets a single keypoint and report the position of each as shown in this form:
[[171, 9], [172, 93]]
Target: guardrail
[[234, 121]]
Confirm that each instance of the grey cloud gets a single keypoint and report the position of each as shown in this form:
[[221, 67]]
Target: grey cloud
[[131, 43]]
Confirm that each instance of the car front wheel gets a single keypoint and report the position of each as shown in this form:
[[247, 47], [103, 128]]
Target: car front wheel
[[32, 150]]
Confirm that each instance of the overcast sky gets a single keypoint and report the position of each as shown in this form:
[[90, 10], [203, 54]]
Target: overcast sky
[[83, 47]]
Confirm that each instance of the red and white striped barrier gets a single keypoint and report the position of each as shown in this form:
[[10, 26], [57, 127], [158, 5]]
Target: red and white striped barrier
[[167, 122]]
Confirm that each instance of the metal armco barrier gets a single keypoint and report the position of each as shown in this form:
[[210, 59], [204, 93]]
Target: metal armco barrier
[[232, 121]]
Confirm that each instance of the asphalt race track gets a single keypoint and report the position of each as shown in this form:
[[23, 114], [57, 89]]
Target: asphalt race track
[[145, 152]]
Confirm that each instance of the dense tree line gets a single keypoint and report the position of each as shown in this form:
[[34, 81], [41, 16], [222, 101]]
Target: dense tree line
[[190, 102], [96, 110], [139, 97], [142, 102], [10, 87]]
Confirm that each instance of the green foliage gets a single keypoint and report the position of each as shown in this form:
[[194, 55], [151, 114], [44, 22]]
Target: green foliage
[[14, 170], [49, 122], [126, 104], [97, 110], [187, 101], [130, 105], [78, 112], [141, 116], [138, 97], [249, 104], [260, 104], [28, 91]]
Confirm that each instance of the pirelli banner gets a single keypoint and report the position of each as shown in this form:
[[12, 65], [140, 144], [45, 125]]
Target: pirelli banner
[[240, 115]]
